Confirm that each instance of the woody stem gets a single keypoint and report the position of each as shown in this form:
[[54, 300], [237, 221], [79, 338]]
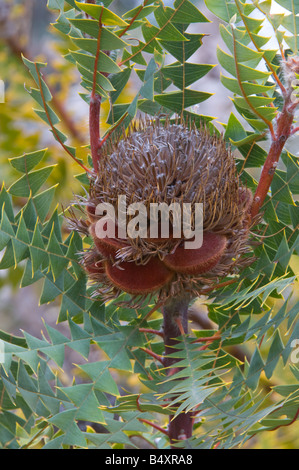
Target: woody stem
[[282, 133], [175, 314]]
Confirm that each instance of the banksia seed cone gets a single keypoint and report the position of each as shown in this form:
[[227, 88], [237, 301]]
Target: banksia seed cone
[[169, 164]]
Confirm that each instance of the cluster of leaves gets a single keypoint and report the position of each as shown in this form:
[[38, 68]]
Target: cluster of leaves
[[231, 406]]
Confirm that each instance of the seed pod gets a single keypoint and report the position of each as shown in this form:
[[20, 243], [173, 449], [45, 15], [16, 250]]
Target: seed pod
[[200, 260], [106, 246], [166, 164], [139, 279]]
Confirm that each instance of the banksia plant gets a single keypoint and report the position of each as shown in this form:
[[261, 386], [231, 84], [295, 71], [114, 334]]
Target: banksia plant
[[160, 165], [173, 268]]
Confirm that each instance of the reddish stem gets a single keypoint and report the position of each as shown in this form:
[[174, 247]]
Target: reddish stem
[[94, 129], [95, 107], [207, 338], [283, 132], [150, 331], [154, 355], [155, 426], [133, 19], [296, 129]]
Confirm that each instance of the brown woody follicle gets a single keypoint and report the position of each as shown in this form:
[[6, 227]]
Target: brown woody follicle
[[170, 163]]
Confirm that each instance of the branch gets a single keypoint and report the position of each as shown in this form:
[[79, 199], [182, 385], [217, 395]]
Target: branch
[[154, 355], [175, 314], [155, 426], [283, 132], [95, 106], [133, 19]]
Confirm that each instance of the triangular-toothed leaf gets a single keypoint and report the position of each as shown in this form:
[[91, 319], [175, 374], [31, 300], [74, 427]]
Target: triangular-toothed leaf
[[255, 369], [291, 5], [58, 261], [105, 63], [86, 402], [183, 52], [147, 89], [55, 4], [141, 13], [34, 69], [31, 183], [6, 203], [115, 349], [283, 254], [54, 223], [6, 230], [98, 12], [101, 377], [224, 10], [88, 62], [178, 100], [73, 301], [109, 41], [184, 75], [28, 161], [21, 241], [275, 351], [167, 32], [249, 88], [242, 53], [65, 420], [292, 165], [187, 13], [280, 190], [42, 202], [234, 129], [244, 72]]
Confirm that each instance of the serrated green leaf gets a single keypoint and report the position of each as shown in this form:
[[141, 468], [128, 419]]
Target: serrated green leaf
[[178, 100], [244, 72], [167, 31], [109, 41], [105, 63], [101, 377], [187, 13], [249, 88], [224, 10], [58, 261], [255, 369], [142, 12], [275, 350], [98, 12], [65, 421], [184, 75], [28, 161], [182, 52], [280, 190], [31, 183], [42, 202], [242, 53], [291, 5]]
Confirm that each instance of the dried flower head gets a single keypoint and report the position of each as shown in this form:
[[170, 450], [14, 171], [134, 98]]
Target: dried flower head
[[169, 163]]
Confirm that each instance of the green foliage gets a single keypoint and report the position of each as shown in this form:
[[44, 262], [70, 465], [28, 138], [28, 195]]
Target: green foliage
[[93, 411]]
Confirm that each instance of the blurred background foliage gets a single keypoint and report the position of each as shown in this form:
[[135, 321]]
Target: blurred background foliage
[[25, 28]]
